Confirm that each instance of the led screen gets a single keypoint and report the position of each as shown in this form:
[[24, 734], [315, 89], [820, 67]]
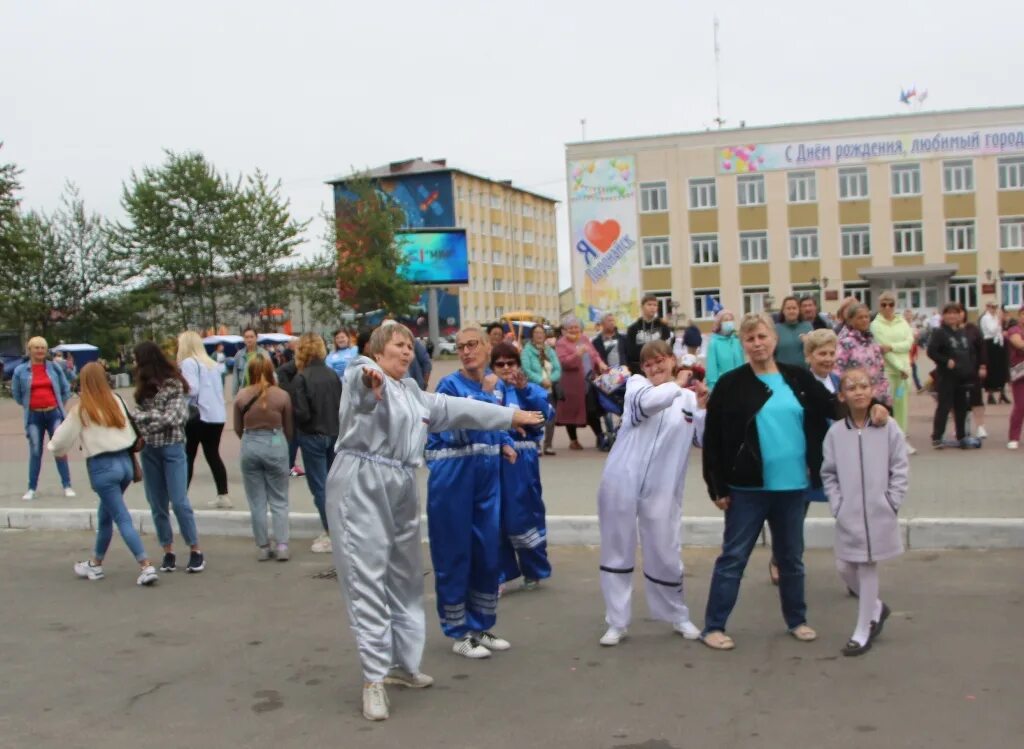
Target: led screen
[[434, 257]]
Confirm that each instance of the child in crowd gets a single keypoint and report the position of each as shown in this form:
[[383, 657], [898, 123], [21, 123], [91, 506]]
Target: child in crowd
[[865, 476]]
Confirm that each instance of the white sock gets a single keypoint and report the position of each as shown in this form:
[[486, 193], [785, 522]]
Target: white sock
[[868, 606], [848, 573]]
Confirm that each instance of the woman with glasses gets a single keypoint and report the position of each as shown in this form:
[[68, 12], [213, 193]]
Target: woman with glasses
[[524, 532], [895, 338]]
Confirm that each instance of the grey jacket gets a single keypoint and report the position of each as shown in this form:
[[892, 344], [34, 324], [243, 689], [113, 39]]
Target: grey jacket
[[865, 477]]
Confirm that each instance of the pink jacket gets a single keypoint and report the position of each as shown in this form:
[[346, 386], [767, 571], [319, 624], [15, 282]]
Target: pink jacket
[[857, 350]]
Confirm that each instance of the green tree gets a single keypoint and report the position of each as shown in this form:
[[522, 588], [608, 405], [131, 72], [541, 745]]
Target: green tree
[[363, 236], [9, 204], [39, 282]]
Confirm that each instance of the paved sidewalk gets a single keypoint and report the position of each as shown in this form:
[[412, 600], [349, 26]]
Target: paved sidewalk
[[260, 656]]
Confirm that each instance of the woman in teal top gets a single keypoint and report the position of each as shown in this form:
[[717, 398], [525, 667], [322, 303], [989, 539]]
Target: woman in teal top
[[725, 352], [541, 366], [790, 331]]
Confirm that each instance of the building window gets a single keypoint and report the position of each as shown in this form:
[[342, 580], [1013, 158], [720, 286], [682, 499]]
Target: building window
[[1011, 173], [859, 291], [853, 183], [753, 247], [802, 187], [497, 258], [755, 300], [906, 179], [496, 230], [653, 197], [527, 236], [703, 194], [704, 249], [964, 291], [803, 244], [957, 176], [527, 211], [1013, 291], [960, 236], [750, 189], [656, 253], [499, 311], [1011, 233], [496, 284], [703, 303], [908, 238], [856, 241], [496, 202]]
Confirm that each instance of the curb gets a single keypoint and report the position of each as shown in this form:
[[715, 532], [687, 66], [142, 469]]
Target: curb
[[563, 530]]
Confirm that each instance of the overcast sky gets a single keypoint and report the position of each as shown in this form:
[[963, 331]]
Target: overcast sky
[[306, 90]]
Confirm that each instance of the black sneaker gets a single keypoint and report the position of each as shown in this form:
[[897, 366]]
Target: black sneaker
[[196, 563], [170, 562], [938, 444]]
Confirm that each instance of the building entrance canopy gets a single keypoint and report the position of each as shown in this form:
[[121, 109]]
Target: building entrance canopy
[[892, 273]]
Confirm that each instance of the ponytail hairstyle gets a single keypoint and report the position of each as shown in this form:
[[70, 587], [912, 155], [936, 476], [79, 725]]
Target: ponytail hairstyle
[[261, 376]]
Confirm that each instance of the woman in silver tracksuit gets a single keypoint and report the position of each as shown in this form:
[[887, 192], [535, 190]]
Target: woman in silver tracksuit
[[373, 509]]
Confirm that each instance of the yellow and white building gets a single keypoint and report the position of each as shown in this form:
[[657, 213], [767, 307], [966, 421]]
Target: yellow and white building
[[928, 204]]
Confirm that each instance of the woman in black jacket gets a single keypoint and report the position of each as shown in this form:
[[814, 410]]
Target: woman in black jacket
[[766, 424]]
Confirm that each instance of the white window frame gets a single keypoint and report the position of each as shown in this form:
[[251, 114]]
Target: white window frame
[[699, 313], [499, 310], [653, 197], [855, 241], [656, 253], [527, 236], [496, 284], [853, 183], [905, 180], [961, 236], [753, 247], [703, 194], [704, 249], [755, 299], [1011, 173], [664, 298], [496, 230], [957, 176], [496, 202], [861, 291], [497, 258], [1011, 233], [963, 290], [803, 244], [801, 187], [1012, 291], [908, 233], [750, 190]]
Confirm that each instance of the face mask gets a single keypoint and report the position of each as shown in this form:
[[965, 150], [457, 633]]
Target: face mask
[[728, 327]]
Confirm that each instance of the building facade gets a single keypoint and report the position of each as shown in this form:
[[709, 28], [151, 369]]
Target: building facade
[[512, 243], [930, 205]]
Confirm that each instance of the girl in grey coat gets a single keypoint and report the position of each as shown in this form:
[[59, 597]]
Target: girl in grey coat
[[864, 474]]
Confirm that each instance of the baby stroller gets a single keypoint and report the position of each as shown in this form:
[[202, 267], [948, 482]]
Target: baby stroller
[[610, 390]]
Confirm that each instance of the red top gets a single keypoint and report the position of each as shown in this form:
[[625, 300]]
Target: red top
[[42, 389]]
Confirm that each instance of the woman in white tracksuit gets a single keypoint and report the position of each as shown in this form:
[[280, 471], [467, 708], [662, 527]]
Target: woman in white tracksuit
[[373, 512], [643, 485]]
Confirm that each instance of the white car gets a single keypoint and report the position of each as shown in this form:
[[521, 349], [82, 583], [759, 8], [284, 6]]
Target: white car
[[446, 345]]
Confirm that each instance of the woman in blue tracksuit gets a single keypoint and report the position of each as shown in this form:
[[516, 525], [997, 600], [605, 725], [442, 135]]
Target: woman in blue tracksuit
[[524, 549], [464, 508]]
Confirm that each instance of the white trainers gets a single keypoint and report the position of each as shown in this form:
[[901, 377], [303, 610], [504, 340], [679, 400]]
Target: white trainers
[[911, 450], [1012, 445], [147, 576], [403, 678], [492, 642], [222, 502], [687, 629], [88, 570], [470, 647], [982, 434], [322, 544], [612, 637], [69, 492], [375, 701], [29, 495]]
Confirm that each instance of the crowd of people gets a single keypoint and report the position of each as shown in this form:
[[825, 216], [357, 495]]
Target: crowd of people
[[788, 410]]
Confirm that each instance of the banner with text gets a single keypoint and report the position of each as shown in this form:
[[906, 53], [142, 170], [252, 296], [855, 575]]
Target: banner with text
[[605, 250], [767, 157]]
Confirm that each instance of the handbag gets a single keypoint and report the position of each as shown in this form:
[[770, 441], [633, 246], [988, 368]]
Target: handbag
[[136, 447], [1017, 372], [193, 408]]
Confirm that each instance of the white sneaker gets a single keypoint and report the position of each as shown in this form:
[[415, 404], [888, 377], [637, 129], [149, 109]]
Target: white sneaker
[[88, 570], [470, 647], [911, 450], [403, 678], [69, 492], [687, 629], [612, 637], [375, 701], [322, 544], [222, 502], [147, 576], [1012, 445], [29, 495], [492, 642], [982, 434]]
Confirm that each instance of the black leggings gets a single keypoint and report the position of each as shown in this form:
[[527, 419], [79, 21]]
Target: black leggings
[[952, 395], [208, 435]]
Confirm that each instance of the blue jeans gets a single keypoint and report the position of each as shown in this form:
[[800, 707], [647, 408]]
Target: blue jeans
[[317, 457], [747, 513], [39, 422], [165, 479], [109, 475]]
